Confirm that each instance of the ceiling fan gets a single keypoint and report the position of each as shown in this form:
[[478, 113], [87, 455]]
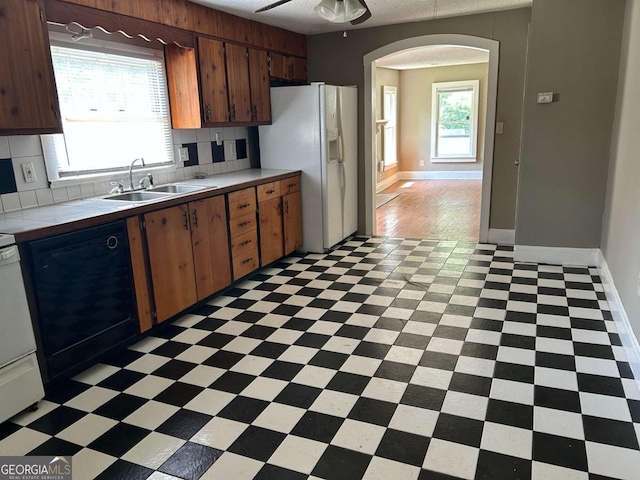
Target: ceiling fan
[[336, 11]]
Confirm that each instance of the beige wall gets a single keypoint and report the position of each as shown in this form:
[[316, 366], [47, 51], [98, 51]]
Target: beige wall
[[415, 115], [621, 228], [574, 51], [390, 78], [337, 60]]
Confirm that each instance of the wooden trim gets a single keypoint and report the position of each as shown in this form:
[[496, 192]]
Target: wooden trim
[[64, 13], [30, 131], [140, 274], [94, 220]]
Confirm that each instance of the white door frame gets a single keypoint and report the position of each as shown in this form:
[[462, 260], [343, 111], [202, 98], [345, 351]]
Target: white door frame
[[493, 47]]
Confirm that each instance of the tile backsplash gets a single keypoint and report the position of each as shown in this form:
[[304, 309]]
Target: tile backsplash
[[205, 155]]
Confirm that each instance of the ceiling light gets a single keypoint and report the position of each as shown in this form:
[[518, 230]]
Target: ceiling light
[[340, 11]]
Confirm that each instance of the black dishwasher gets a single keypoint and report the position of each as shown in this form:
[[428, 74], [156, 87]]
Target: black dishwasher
[[84, 291]]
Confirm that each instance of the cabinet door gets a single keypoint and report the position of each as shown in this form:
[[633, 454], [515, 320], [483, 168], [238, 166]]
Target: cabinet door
[[259, 79], [28, 98], [238, 76], [271, 242], [213, 81], [210, 245], [292, 205], [171, 260], [297, 69], [278, 66]]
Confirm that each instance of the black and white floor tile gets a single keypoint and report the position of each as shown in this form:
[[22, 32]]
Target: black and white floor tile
[[384, 359]]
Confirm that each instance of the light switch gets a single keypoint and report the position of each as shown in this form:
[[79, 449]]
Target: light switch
[[545, 97], [184, 154], [499, 128]]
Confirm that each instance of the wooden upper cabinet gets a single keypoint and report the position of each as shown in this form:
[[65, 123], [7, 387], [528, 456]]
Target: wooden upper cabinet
[[171, 260], [235, 28], [210, 245], [213, 81], [259, 81], [182, 85], [292, 206], [28, 98], [238, 77], [288, 68]]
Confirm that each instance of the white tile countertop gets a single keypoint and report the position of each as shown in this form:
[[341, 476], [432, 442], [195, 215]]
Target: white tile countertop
[[52, 219]]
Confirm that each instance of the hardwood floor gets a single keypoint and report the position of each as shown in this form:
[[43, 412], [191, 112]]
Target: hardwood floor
[[434, 209]]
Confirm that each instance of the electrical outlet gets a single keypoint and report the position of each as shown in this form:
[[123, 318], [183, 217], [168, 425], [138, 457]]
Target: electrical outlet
[[218, 137], [422, 163], [184, 154], [28, 172], [499, 128]]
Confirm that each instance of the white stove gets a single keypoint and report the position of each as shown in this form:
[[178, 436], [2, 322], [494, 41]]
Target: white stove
[[20, 380], [6, 240]]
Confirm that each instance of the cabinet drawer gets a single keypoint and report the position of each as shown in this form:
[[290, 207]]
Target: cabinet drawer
[[242, 202], [242, 243], [268, 191], [289, 185], [245, 263], [243, 224]]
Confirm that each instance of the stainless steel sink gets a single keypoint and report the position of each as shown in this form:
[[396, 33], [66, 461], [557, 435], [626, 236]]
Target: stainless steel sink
[[178, 188], [137, 196]]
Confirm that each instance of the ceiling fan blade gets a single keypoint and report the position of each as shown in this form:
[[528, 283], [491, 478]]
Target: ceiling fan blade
[[367, 15], [273, 5]]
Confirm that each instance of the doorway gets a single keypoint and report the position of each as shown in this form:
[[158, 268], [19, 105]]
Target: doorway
[[429, 148]]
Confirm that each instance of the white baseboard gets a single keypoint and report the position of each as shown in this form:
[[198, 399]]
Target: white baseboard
[[627, 337], [586, 257], [440, 175], [387, 182], [502, 237]]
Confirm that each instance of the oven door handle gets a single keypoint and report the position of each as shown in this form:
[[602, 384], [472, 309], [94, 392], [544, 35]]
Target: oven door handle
[[8, 254]]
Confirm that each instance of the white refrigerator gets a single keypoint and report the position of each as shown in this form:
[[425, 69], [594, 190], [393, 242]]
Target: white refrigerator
[[314, 129]]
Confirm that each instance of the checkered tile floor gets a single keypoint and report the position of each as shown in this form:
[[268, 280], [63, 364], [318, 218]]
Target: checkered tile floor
[[385, 359]]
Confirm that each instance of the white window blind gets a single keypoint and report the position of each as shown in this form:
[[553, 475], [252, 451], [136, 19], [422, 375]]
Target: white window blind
[[114, 109]]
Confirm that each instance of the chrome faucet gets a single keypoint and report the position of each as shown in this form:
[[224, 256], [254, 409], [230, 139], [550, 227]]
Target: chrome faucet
[[131, 171], [147, 178]]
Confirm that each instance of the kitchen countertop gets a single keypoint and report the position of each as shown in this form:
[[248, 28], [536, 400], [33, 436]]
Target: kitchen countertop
[[39, 222]]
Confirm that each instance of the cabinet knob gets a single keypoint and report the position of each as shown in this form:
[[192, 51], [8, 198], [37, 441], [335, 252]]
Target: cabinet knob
[[233, 112], [207, 112]]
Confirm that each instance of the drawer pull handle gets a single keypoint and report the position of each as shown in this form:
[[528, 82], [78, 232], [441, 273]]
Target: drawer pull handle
[[246, 242], [269, 192], [291, 185], [244, 205], [195, 217], [186, 220], [244, 224], [244, 262]]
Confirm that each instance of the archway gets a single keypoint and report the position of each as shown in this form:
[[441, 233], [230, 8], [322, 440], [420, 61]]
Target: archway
[[491, 46]]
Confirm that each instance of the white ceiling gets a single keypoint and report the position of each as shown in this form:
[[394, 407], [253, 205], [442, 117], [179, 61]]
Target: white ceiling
[[298, 15], [433, 56]]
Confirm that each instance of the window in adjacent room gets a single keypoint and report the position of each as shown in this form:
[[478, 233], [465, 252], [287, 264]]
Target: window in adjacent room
[[114, 107], [390, 114], [454, 124]]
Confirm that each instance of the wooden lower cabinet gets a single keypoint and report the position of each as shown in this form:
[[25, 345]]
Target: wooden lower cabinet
[[171, 260], [181, 255], [292, 206], [210, 246], [271, 238]]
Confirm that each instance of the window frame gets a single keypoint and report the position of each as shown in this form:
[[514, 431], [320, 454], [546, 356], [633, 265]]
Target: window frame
[[391, 127], [436, 89], [54, 145]]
